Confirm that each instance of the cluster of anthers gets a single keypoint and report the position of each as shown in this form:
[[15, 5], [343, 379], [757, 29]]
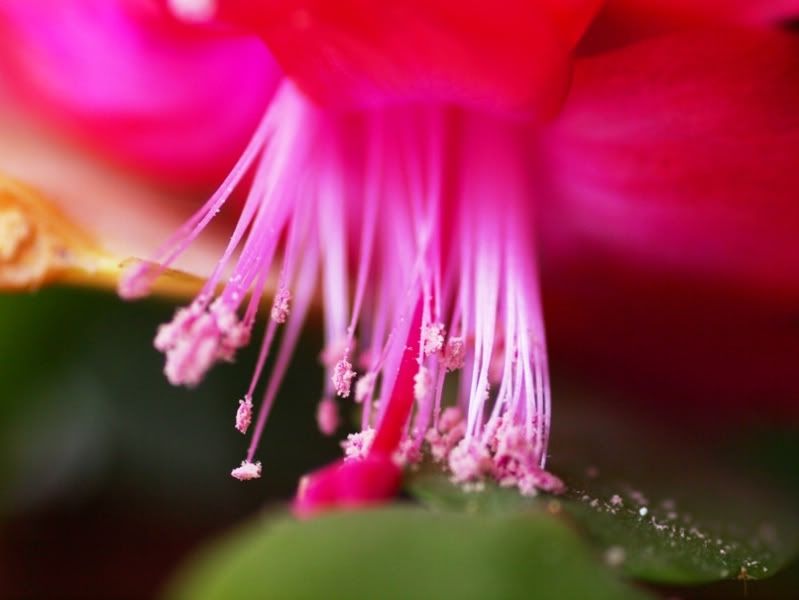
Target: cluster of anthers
[[437, 336]]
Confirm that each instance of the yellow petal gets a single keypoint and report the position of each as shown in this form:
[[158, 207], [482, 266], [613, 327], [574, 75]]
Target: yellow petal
[[39, 245], [77, 220]]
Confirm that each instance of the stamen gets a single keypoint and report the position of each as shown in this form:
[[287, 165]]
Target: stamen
[[244, 414], [432, 338], [364, 388], [327, 416], [247, 471], [422, 382], [357, 445], [138, 279], [281, 306], [469, 460], [342, 377], [451, 429], [432, 249], [454, 356]]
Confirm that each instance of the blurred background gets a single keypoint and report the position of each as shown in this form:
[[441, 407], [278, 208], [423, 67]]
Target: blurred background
[[111, 477]]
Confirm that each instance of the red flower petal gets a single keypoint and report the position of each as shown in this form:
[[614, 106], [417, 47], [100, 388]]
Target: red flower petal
[[507, 54], [624, 21], [682, 153], [682, 12], [676, 216]]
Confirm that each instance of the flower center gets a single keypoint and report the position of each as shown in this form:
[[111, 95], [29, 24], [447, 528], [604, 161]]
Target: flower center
[[438, 337]]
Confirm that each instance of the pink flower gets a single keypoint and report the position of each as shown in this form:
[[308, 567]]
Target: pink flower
[[404, 152]]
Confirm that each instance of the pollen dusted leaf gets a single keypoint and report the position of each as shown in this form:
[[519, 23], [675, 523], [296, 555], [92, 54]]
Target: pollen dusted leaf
[[670, 516], [685, 512], [433, 488], [400, 553]]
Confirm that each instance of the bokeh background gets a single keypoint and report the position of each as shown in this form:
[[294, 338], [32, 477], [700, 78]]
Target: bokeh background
[[110, 475], [111, 478]]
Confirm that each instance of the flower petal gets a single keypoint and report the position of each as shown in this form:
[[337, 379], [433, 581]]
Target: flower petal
[[169, 100], [508, 54], [671, 238], [625, 21], [681, 12], [40, 245], [681, 153]]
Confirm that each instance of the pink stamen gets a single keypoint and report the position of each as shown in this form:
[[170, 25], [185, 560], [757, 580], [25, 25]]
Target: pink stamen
[[136, 281], [247, 471], [282, 306], [327, 418], [364, 388], [305, 283], [342, 377], [357, 445], [422, 383], [432, 338], [454, 356], [244, 414], [381, 192]]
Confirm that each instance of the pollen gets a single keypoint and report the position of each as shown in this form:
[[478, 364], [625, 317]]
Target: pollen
[[432, 338], [282, 306], [454, 355], [357, 445], [342, 377], [244, 414], [390, 275], [248, 470], [422, 382]]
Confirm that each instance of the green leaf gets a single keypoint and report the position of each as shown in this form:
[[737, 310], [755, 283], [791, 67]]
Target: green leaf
[[400, 552], [434, 490], [685, 513], [653, 542], [658, 511]]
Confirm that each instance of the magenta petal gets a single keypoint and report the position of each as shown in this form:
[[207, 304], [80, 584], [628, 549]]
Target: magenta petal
[[682, 12], [348, 484], [671, 238], [623, 22], [503, 55], [173, 102], [679, 154]]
